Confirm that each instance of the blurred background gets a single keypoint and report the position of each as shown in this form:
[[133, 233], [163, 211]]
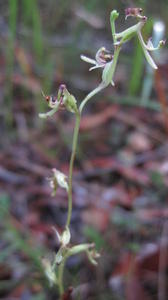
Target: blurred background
[[121, 172]]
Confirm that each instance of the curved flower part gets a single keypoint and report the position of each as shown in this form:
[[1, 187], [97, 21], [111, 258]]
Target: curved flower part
[[63, 100], [103, 59], [137, 12], [148, 48], [58, 179], [127, 34], [49, 113]]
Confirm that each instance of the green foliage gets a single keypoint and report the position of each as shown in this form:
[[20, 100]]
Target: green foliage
[[17, 240], [31, 15]]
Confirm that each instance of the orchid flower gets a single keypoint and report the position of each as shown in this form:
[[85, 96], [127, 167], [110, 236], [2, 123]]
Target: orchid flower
[[103, 59], [63, 100], [137, 12]]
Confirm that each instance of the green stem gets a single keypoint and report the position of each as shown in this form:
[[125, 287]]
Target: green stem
[[72, 251], [76, 132], [60, 277], [74, 145], [90, 95]]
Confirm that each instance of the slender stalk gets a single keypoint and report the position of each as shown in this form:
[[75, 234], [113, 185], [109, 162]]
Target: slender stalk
[[90, 95], [74, 250], [76, 132], [74, 145], [60, 277]]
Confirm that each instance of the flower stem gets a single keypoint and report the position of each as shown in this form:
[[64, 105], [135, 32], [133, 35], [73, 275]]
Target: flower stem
[[74, 250], [60, 277], [74, 145], [100, 87]]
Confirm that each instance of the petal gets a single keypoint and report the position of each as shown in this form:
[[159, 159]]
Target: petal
[[146, 53], [88, 60], [150, 44], [49, 113], [150, 59], [57, 234], [96, 67]]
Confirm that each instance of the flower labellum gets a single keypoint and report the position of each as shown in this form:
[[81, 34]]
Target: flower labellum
[[102, 57]]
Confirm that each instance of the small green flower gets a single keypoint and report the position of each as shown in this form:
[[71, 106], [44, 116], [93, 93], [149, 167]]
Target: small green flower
[[63, 100], [127, 34], [58, 179], [103, 59], [64, 238]]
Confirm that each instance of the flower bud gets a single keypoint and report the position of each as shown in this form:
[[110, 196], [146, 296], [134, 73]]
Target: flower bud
[[63, 100], [58, 179], [63, 238], [114, 15]]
